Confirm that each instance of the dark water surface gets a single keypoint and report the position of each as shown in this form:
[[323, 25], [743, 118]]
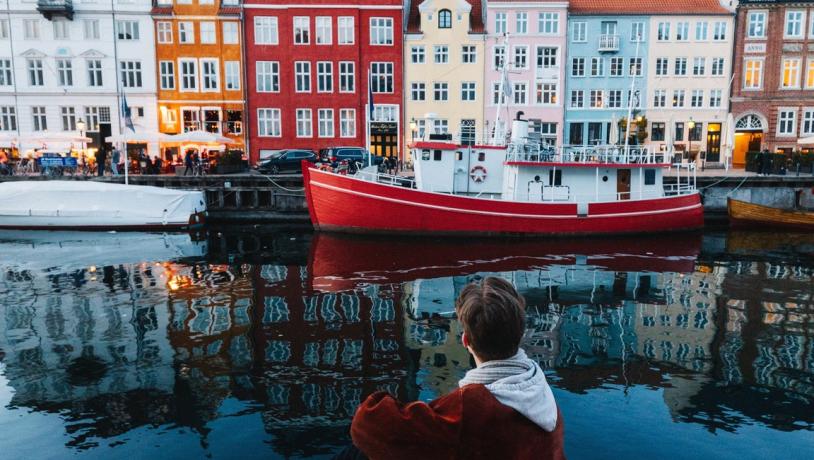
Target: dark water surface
[[261, 345]]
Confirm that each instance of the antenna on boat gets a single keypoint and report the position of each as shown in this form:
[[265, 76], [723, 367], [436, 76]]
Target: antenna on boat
[[630, 96], [504, 90]]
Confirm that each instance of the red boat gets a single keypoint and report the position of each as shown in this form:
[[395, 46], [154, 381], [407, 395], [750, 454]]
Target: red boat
[[530, 191]]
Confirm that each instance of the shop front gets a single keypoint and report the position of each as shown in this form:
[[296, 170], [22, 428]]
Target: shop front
[[749, 133]]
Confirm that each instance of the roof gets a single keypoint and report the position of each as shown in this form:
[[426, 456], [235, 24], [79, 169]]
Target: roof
[[475, 17], [646, 7]]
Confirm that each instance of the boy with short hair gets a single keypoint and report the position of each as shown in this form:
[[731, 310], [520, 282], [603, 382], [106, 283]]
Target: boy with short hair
[[503, 408]]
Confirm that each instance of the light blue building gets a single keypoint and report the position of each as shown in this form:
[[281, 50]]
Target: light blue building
[[605, 53]]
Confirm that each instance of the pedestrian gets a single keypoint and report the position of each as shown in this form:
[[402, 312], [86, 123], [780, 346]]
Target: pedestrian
[[115, 157], [503, 408], [101, 157], [4, 163], [188, 163]]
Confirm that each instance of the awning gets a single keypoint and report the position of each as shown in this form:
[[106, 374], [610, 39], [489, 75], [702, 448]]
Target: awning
[[198, 137], [137, 138]]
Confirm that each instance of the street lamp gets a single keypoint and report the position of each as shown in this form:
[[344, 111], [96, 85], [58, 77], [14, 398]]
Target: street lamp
[[81, 126], [413, 127]]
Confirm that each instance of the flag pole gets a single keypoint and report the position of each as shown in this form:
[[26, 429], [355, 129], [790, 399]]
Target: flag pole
[[368, 117]]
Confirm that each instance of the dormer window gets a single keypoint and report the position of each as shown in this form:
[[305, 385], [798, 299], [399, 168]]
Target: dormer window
[[445, 19]]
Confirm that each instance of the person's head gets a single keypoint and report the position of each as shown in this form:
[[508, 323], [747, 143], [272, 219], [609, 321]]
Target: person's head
[[493, 316]]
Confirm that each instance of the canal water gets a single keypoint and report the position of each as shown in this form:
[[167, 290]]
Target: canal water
[[261, 344]]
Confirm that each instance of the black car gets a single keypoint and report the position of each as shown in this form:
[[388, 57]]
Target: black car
[[286, 161], [356, 156]]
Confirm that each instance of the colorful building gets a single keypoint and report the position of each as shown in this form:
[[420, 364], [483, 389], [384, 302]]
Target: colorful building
[[309, 68], [773, 81], [199, 67], [536, 55], [443, 62]]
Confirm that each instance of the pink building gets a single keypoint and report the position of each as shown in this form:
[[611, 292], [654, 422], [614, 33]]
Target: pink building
[[535, 54]]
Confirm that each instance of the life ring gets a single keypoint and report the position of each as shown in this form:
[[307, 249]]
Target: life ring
[[477, 174]]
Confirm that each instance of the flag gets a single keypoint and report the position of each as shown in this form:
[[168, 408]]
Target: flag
[[507, 86], [128, 119], [370, 95]]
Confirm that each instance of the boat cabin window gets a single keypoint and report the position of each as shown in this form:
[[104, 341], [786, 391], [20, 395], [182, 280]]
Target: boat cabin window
[[555, 177], [481, 156], [649, 177], [459, 155], [425, 155], [436, 155]]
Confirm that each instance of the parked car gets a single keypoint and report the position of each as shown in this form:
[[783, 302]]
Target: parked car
[[286, 161], [356, 156]]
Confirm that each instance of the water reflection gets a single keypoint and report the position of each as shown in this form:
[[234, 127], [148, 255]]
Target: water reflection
[[295, 330]]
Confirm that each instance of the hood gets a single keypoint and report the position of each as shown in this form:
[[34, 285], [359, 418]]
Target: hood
[[518, 382]]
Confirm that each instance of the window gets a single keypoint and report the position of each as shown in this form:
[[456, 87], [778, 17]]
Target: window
[[809, 74], [232, 71], [597, 67], [498, 96], [596, 100], [578, 67], [658, 131], [347, 123], [634, 100], [808, 122], [35, 73], [635, 67], [265, 30], [649, 177], [698, 65], [445, 19], [715, 98], [130, 73], [701, 31], [269, 123], [189, 74], [500, 23], [579, 32], [166, 70], [682, 31], [469, 54], [659, 98], [679, 131], [786, 122], [68, 118], [637, 32], [661, 66], [546, 93], [680, 66], [520, 93], [499, 57], [230, 33], [6, 76], [186, 32], [614, 98], [678, 98], [191, 119], [417, 54], [756, 24], [302, 30], [441, 54], [440, 127], [546, 57], [752, 74], [381, 31], [207, 29], [794, 24], [382, 76], [347, 77], [791, 73], [31, 29], [440, 91], [325, 77], [268, 76], [127, 30], [8, 118], [325, 123], [64, 72], [521, 23], [324, 30], [577, 99], [418, 91], [90, 28], [717, 66], [468, 91], [663, 31], [548, 23], [304, 128], [345, 32], [697, 98], [719, 31], [521, 55], [39, 118], [94, 72], [617, 65], [302, 77], [62, 30], [164, 32]]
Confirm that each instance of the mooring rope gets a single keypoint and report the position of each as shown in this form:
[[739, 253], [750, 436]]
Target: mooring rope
[[281, 187], [713, 184], [739, 186]]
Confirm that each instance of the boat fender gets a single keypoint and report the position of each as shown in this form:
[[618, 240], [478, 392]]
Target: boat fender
[[477, 174]]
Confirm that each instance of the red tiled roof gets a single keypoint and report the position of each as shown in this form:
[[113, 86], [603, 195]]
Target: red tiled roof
[[475, 17], [646, 7]]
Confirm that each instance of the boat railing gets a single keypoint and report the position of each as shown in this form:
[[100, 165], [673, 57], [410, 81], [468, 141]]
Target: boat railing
[[387, 179], [604, 154]]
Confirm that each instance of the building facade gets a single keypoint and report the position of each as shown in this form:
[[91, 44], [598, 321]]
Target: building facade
[[310, 68], [443, 62], [536, 55], [199, 69], [773, 81], [67, 64]]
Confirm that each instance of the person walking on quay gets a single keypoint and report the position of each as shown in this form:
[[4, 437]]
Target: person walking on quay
[[101, 157], [188, 163], [503, 408], [5, 169], [115, 157]]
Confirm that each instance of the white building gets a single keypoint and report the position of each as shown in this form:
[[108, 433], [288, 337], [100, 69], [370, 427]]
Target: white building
[[62, 61]]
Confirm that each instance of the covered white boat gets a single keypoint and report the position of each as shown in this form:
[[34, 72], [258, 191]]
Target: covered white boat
[[98, 206]]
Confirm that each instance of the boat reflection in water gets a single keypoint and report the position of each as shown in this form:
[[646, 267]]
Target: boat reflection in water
[[265, 345]]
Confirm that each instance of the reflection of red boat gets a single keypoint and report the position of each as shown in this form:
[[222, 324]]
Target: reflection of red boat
[[342, 262]]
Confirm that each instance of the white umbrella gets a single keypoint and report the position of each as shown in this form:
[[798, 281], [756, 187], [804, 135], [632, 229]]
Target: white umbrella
[[52, 137], [136, 138], [614, 131], [668, 137], [729, 140], [199, 137]]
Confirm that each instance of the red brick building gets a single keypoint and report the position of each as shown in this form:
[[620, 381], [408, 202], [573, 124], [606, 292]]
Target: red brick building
[[307, 67], [773, 85]]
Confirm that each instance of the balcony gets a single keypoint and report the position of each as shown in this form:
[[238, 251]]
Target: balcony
[[608, 43], [51, 8]]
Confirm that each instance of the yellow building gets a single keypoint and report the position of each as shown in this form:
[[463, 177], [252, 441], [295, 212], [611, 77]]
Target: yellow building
[[443, 62]]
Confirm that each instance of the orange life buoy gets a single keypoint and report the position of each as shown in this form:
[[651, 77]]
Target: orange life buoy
[[478, 174]]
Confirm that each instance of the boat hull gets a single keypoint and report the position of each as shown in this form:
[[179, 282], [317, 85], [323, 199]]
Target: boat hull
[[743, 214], [347, 204]]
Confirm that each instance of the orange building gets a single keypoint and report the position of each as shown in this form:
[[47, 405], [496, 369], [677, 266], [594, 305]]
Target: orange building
[[198, 65]]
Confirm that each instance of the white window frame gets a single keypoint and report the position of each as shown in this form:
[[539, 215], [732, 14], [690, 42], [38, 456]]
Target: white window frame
[[381, 31], [214, 64], [579, 32], [266, 30], [304, 119], [760, 69], [324, 29], [347, 123], [345, 75], [302, 73], [186, 32], [164, 76], [163, 31], [752, 33], [800, 24], [807, 122], [345, 30], [797, 68], [302, 24], [269, 122], [325, 119], [267, 71], [191, 77], [231, 77], [469, 91], [231, 32], [208, 32], [780, 120], [324, 78]]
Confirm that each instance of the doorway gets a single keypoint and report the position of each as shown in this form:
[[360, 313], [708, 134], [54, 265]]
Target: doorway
[[745, 142], [623, 184], [384, 138], [714, 142]]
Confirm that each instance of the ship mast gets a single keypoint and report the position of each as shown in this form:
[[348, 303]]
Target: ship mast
[[630, 98], [502, 90]]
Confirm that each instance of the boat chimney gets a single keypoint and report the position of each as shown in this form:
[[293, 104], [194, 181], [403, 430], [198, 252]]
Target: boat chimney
[[520, 129]]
